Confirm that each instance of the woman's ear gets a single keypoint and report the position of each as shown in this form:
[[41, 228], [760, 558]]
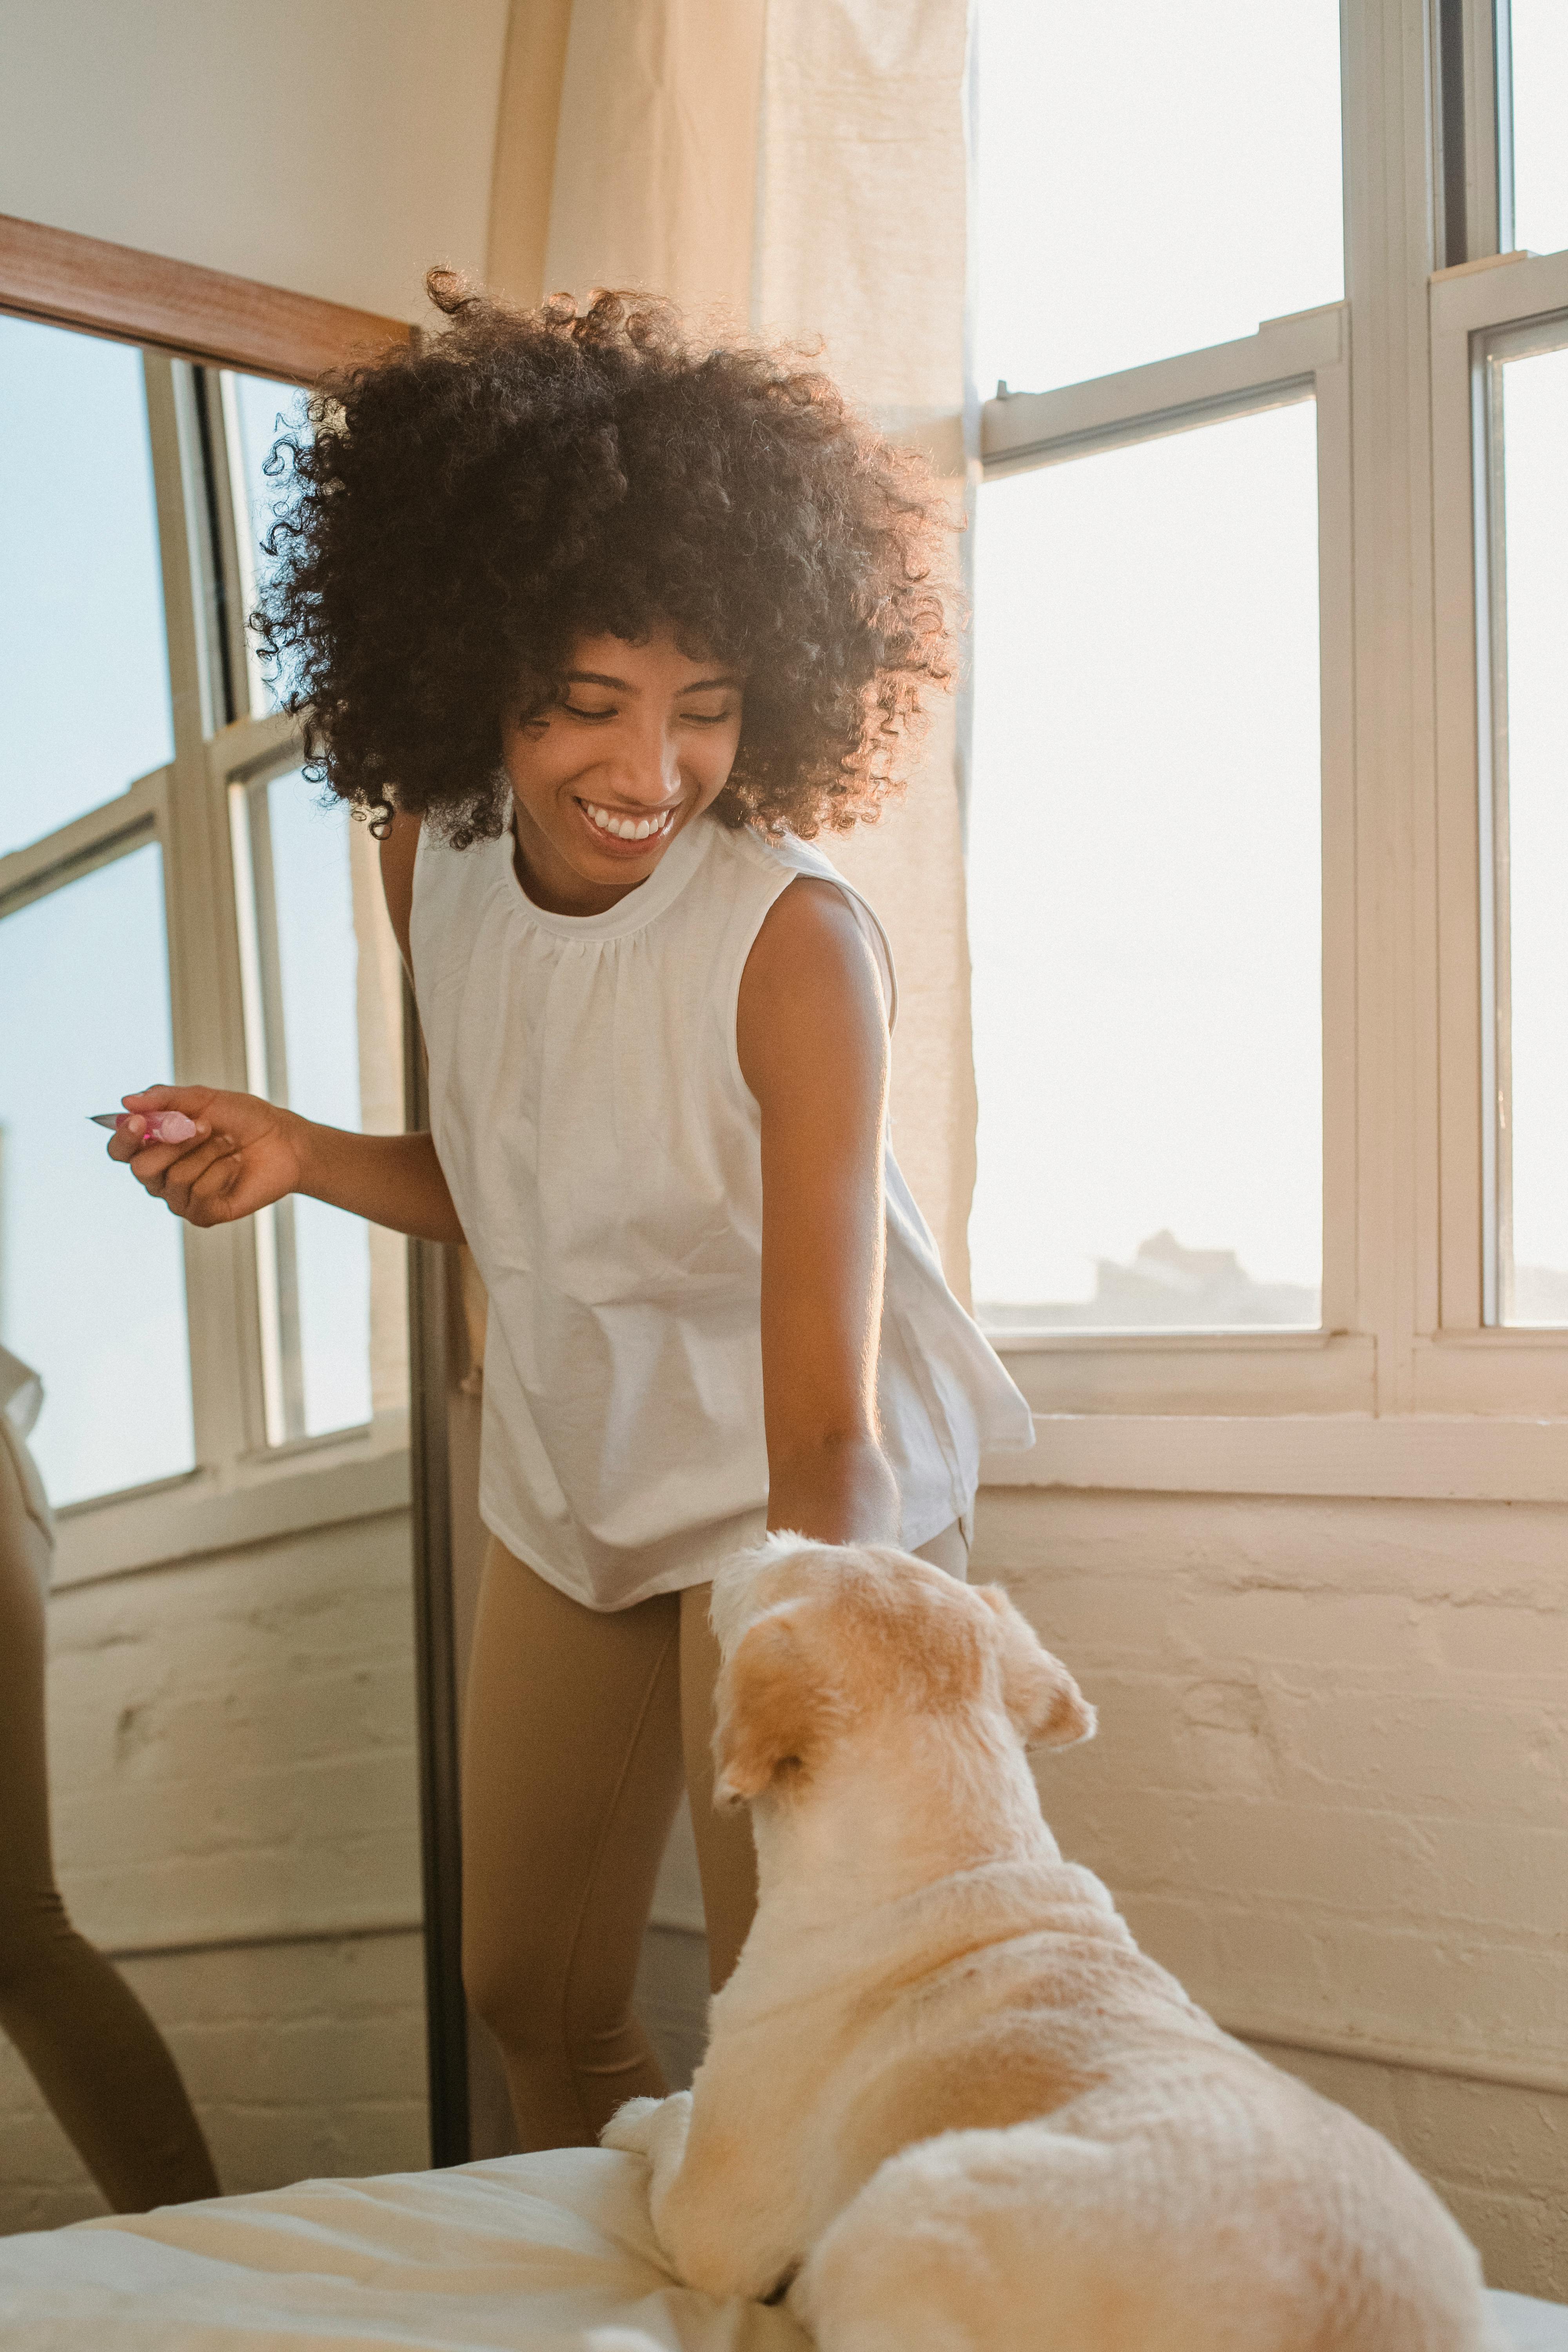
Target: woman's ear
[[1043, 1703], [771, 1707]]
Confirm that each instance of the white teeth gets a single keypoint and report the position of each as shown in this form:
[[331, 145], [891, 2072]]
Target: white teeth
[[626, 828]]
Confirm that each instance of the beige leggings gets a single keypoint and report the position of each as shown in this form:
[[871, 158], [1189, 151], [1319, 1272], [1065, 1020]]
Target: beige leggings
[[94, 2052], [582, 1727]]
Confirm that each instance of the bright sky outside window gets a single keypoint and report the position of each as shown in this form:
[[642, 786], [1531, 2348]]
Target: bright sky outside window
[[1152, 179], [1145, 883], [1534, 413], [91, 1272], [84, 671], [301, 987], [1539, 40], [261, 410]]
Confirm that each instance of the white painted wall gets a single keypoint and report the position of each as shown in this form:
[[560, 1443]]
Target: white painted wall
[[335, 147]]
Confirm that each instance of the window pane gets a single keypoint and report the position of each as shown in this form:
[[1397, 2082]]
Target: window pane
[[257, 411], [295, 880], [1539, 45], [91, 1272], [1151, 179], [1535, 446], [84, 668], [1145, 883]]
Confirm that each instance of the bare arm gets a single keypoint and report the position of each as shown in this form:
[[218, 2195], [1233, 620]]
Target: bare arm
[[813, 1041], [247, 1153], [397, 855]]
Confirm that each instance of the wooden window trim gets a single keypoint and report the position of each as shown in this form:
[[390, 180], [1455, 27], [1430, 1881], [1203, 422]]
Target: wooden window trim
[[84, 282]]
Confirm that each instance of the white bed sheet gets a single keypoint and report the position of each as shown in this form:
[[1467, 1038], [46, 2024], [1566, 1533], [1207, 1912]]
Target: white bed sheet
[[527, 2253]]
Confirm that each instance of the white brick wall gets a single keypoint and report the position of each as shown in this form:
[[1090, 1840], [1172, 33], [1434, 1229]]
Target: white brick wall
[[1329, 1791], [232, 1745]]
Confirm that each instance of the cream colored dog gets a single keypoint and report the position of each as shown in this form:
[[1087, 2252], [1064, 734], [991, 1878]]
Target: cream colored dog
[[945, 2092]]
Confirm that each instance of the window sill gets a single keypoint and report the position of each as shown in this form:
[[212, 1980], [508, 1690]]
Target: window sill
[[1450, 1458], [358, 1477], [1502, 1371], [1241, 1373]]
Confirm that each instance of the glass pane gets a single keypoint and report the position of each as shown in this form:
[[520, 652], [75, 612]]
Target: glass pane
[[84, 666], [92, 1285], [257, 411], [1145, 885], [302, 990], [1535, 447], [1539, 44], [1152, 179]]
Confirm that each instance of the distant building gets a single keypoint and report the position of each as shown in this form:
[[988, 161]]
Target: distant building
[[1167, 1286]]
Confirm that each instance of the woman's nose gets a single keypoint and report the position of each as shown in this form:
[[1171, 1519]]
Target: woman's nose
[[649, 769]]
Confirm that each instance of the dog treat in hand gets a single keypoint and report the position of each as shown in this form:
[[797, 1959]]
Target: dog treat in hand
[[163, 1126]]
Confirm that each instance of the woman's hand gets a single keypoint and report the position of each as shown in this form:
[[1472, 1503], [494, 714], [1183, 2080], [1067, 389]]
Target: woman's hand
[[245, 1153]]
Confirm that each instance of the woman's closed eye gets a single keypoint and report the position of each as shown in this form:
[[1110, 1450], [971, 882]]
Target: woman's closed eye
[[686, 718]]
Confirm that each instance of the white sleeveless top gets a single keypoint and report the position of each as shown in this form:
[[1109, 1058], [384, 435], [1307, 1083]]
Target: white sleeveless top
[[603, 1152]]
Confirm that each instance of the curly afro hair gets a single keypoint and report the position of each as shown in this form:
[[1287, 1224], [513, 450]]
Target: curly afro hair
[[465, 510]]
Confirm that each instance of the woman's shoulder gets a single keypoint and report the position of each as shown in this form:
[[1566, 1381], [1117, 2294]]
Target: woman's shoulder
[[809, 914]]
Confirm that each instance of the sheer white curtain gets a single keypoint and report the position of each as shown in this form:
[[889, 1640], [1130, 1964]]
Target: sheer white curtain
[[796, 166]]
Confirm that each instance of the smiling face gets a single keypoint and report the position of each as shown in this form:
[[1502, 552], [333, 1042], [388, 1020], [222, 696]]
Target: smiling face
[[641, 742]]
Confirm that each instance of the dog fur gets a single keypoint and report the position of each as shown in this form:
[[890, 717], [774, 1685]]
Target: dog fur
[[945, 2095]]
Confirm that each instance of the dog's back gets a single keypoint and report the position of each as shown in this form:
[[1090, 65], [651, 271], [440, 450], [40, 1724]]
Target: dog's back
[[1086, 2160], [1048, 2237]]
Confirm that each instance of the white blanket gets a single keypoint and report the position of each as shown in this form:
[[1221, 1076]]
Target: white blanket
[[531, 2253]]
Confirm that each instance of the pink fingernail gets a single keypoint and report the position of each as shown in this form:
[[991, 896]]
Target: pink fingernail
[[158, 1126]]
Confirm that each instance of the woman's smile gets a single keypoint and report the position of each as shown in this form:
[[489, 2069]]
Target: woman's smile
[[627, 828]]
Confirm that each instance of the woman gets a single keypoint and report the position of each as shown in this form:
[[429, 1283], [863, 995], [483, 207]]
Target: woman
[[95, 2053], [601, 625]]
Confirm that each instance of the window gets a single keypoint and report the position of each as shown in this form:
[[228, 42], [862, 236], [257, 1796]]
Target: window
[[92, 1290], [1152, 180], [256, 413], [1148, 972], [1500, 464], [1535, 106], [1146, 900], [1525, 406], [175, 902], [1270, 742], [84, 669], [299, 962]]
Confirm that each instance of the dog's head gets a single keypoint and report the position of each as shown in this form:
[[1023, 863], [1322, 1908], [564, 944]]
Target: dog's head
[[821, 1641]]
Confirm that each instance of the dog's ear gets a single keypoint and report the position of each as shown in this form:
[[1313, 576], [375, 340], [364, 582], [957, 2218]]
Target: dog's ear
[[1043, 1702], [771, 1705]]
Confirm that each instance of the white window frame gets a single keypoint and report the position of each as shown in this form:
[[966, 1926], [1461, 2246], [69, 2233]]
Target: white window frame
[[1475, 308], [1403, 1392], [242, 1489]]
